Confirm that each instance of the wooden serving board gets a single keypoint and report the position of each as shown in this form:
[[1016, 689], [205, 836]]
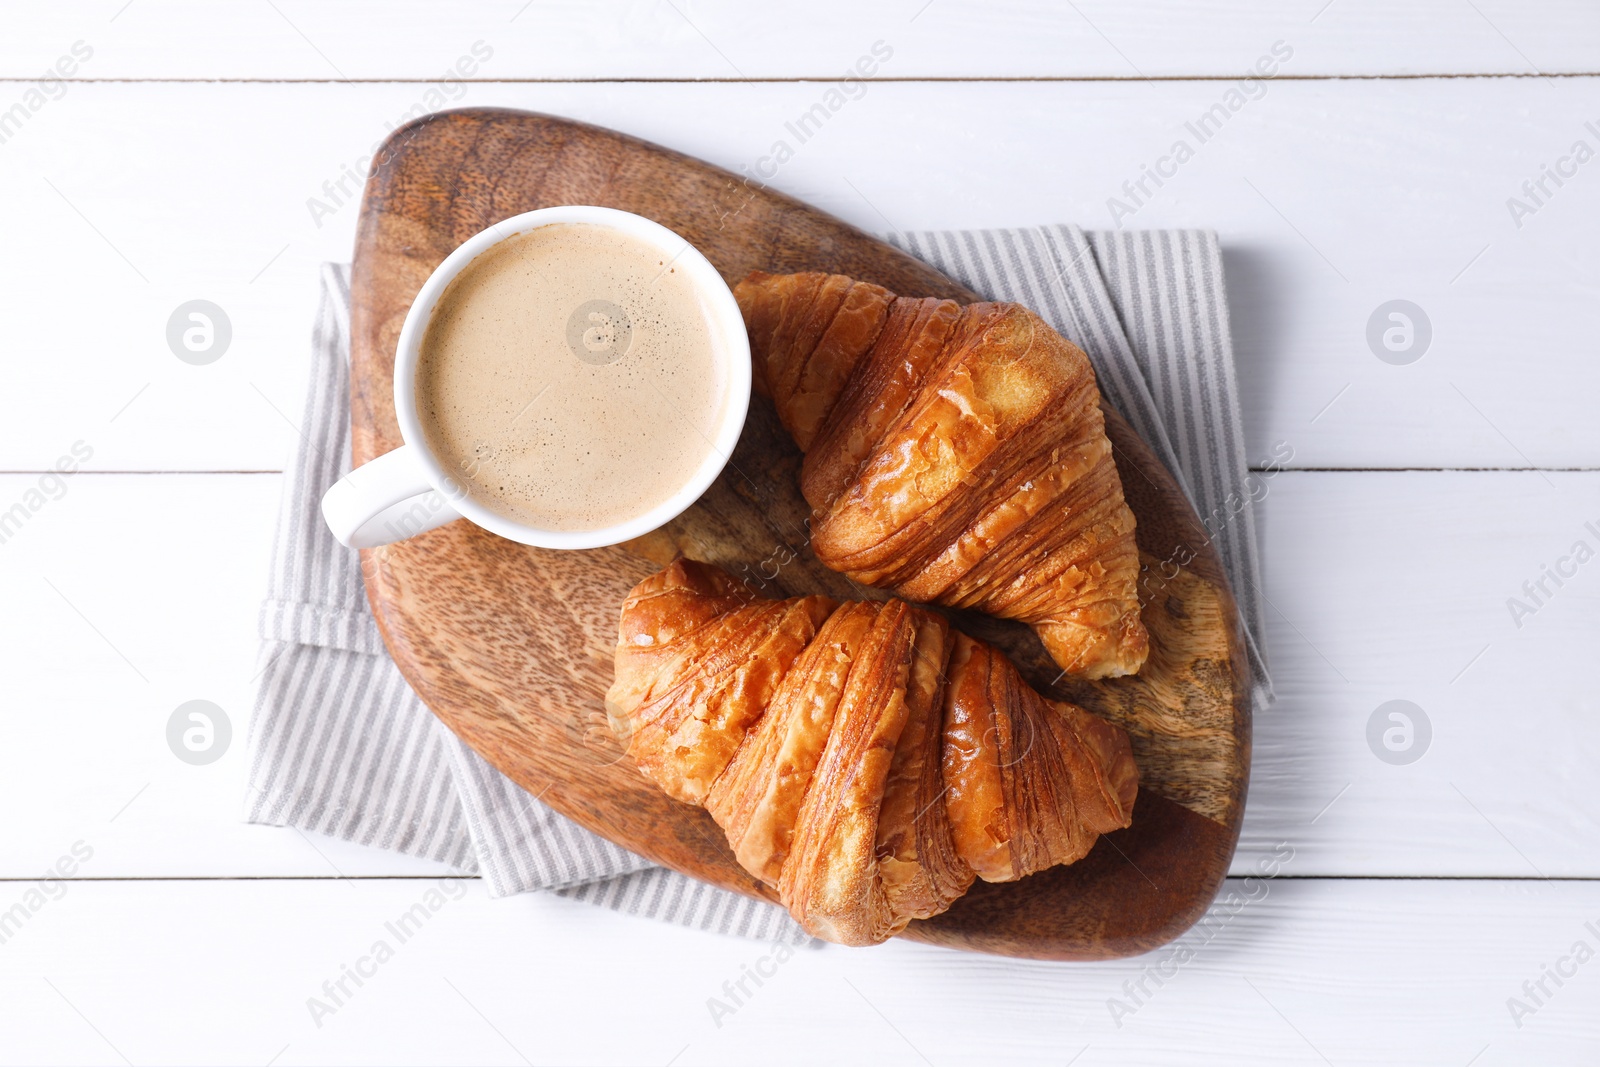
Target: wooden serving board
[[512, 646]]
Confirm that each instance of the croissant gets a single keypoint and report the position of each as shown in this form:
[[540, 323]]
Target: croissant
[[864, 759], [955, 455]]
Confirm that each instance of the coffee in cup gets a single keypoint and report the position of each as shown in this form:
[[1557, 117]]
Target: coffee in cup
[[568, 378], [572, 376]]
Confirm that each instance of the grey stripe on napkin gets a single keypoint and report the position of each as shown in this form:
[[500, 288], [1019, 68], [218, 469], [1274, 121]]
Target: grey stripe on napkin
[[341, 745]]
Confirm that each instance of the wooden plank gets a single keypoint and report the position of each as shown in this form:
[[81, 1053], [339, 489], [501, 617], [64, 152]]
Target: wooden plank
[[1287, 971], [1395, 586], [172, 568], [1418, 211], [129, 595], [952, 38]]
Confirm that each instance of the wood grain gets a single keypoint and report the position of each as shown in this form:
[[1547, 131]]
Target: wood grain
[[1333, 545], [511, 646], [1387, 973], [1445, 154]]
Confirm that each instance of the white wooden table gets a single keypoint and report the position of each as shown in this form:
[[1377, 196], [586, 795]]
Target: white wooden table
[[1424, 901]]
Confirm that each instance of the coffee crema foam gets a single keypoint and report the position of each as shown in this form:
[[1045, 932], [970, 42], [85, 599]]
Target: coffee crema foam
[[571, 378]]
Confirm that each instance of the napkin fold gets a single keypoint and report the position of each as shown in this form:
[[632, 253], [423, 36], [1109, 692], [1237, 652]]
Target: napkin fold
[[339, 744]]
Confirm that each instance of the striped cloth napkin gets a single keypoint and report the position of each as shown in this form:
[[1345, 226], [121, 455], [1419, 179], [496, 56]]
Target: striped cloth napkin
[[340, 745]]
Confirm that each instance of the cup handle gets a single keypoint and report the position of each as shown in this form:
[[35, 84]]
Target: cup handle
[[383, 501]]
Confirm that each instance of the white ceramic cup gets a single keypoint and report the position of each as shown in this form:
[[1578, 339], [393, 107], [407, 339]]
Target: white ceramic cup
[[408, 491]]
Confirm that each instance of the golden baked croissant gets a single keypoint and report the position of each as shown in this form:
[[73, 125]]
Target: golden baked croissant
[[955, 455], [864, 759]]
